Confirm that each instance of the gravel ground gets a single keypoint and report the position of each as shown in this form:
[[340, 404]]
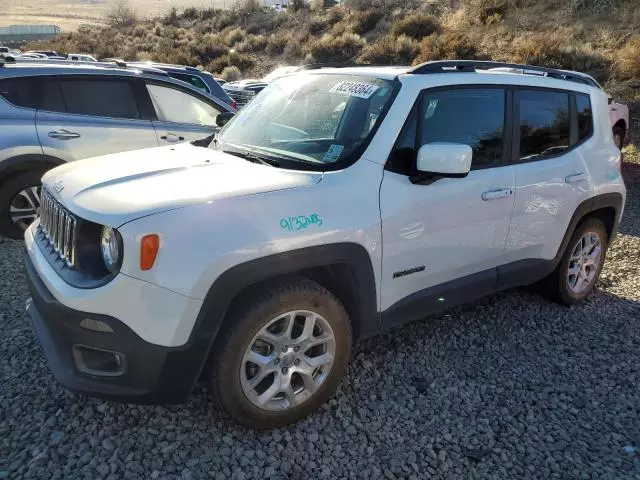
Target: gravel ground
[[510, 387]]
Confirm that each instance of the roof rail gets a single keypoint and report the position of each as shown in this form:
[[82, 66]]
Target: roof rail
[[446, 66]]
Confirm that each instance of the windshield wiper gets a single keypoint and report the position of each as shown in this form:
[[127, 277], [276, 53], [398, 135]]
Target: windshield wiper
[[253, 158]]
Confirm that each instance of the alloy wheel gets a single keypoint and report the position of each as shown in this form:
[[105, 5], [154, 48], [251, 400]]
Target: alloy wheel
[[288, 360], [25, 207], [584, 262]]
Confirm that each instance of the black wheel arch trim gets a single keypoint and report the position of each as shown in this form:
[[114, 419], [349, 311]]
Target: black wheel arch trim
[[23, 162], [238, 279]]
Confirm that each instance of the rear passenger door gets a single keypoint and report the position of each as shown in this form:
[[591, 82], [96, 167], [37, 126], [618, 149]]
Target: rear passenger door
[[181, 115], [86, 116], [552, 178]]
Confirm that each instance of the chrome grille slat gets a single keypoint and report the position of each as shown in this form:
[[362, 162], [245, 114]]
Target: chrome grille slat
[[59, 228]]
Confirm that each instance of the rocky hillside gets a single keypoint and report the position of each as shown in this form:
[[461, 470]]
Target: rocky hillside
[[601, 37]]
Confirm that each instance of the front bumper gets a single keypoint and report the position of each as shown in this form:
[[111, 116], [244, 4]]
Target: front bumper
[[150, 373]]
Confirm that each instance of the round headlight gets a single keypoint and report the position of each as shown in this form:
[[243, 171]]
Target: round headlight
[[110, 248]]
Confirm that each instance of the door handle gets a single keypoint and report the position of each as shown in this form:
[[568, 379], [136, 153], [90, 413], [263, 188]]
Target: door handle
[[63, 134], [172, 138], [575, 178], [496, 194]]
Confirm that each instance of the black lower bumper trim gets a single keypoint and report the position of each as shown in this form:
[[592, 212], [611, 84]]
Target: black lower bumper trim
[[153, 374]]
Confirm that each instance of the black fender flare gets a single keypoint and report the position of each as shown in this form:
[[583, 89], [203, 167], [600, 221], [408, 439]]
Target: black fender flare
[[606, 200], [23, 162], [239, 278]]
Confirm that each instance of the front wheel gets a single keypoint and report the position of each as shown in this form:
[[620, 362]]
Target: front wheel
[[282, 356], [19, 203], [576, 275]]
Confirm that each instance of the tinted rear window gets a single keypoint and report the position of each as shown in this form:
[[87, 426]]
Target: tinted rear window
[[585, 116], [17, 91], [99, 97], [544, 123]]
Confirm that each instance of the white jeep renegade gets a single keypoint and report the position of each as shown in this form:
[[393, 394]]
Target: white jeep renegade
[[339, 203]]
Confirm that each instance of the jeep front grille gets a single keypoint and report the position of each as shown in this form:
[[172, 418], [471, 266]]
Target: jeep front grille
[[60, 228]]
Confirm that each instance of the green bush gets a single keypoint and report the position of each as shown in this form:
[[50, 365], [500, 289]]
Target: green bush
[[416, 26], [336, 49], [390, 50]]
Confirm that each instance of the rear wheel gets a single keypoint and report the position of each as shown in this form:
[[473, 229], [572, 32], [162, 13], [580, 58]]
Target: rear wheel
[[19, 202], [576, 275], [282, 356]]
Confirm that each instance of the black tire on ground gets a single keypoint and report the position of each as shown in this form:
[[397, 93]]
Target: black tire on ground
[[618, 136], [556, 285], [225, 361], [8, 191]]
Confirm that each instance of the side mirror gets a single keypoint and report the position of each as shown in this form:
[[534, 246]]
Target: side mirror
[[444, 160], [223, 118]]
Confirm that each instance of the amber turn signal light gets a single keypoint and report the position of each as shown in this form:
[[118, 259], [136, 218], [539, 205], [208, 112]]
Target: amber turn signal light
[[149, 246]]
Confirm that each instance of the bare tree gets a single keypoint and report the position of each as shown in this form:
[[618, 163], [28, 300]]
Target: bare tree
[[121, 14]]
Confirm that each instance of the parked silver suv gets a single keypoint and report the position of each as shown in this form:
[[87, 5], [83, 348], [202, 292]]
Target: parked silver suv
[[51, 114]]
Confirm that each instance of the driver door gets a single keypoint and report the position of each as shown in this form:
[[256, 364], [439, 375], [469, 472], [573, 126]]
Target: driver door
[[443, 240]]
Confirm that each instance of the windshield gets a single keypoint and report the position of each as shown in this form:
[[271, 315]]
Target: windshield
[[310, 118]]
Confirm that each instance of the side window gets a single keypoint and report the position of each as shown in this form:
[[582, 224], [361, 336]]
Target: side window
[[544, 123], [99, 97], [52, 96], [474, 117], [190, 79], [17, 91], [174, 105], [585, 116]]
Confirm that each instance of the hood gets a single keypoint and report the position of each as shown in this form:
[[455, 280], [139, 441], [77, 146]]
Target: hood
[[115, 189]]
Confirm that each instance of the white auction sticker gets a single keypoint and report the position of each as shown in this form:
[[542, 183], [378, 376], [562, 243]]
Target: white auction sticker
[[355, 89]]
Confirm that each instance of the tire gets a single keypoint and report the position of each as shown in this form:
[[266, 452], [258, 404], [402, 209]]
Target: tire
[[232, 373], [22, 190], [567, 289], [618, 136]]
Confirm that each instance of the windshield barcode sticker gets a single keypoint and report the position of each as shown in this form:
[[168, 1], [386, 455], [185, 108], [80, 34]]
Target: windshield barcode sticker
[[355, 89], [333, 154]]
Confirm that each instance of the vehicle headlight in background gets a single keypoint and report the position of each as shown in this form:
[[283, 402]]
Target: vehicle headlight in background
[[110, 248]]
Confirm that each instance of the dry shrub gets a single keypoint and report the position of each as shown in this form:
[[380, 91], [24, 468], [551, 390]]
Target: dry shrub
[[486, 12], [447, 46], [416, 26], [209, 48], [335, 49], [334, 15], [293, 51], [240, 60], [231, 74], [390, 50], [277, 44], [139, 31], [261, 22], [223, 19], [594, 6], [365, 21], [628, 59], [318, 25], [253, 43], [235, 36], [558, 51]]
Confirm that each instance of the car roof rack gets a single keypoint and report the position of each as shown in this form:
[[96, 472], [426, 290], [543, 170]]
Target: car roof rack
[[43, 62], [457, 66]]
